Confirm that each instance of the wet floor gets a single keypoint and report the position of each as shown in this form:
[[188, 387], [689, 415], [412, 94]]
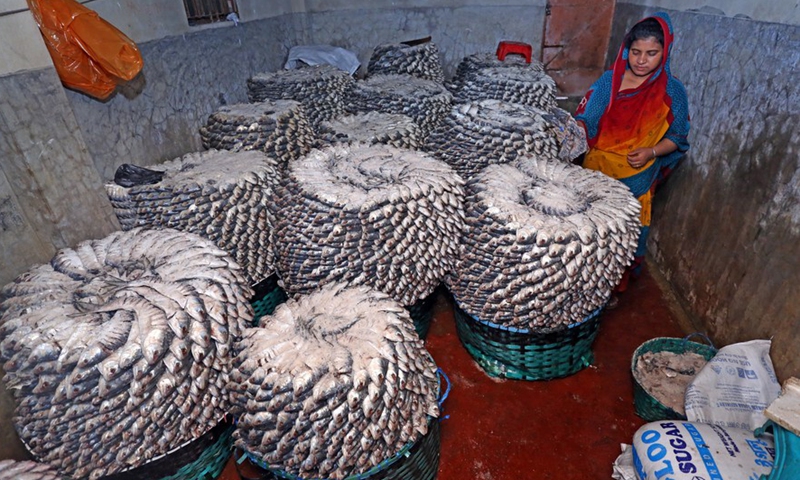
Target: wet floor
[[566, 429]]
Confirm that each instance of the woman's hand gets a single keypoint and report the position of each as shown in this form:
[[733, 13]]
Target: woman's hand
[[638, 157]]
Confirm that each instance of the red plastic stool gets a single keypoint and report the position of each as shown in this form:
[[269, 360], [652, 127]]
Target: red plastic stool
[[524, 49]]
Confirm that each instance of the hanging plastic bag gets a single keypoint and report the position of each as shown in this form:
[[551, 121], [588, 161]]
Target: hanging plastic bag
[[90, 54]]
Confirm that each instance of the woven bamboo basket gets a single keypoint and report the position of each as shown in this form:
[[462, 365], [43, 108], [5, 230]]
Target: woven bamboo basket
[[522, 354], [647, 406]]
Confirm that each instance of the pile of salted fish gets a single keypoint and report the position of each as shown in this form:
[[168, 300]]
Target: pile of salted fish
[[386, 217], [279, 128], [477, 61], [332, 384], [26, 470], [322, 89], [392, 129], [425, 101], [217, 194], [509, 83], [544, 243], [477, 134], [570, 136], [417, 59], [117, 351]]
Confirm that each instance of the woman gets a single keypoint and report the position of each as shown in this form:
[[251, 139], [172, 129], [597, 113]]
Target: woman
[[636, 118]]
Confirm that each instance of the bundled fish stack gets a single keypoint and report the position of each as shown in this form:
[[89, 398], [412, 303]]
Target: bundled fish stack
[[279, 128], [510, 83], [386, 217], [322, 89], [392, 129], [217, 194], [570, 136], [118, 351], [477, 134], [425, 101], [332, 384], [419, 59], [544, 243], [26, 470], [477, 61]]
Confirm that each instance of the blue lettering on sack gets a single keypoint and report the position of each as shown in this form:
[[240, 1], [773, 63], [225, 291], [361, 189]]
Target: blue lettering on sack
[[656, 453], [762, 452], [679, 450], [747, 373], [705, 454]]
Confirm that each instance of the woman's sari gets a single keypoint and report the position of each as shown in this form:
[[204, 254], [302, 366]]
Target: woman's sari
[[617, 122]]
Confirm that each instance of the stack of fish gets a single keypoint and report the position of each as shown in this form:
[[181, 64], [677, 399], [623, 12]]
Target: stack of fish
[[420, 60], [386, 217], [510, 83], [544, 243], [477, 61], [26, 470], [477, 134], [322, 89], [332, 384], [570, 136], [425, 101], [279, 128], [118, 351], [218, 194], [392, 129]]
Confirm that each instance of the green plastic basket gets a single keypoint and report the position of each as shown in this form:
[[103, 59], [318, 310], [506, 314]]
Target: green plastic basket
[[647, 406], [422, 314], [787, 452], [201, 459], [521, 354], [268, 295]]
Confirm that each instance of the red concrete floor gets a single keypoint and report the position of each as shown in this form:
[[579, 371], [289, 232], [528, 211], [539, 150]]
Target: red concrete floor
[[565, 429]]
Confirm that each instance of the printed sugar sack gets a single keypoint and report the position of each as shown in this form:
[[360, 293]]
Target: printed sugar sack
[[678, 450], [735, 387]]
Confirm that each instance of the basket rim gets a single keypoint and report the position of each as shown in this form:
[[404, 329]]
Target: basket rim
[[640, 350], [528, 331]]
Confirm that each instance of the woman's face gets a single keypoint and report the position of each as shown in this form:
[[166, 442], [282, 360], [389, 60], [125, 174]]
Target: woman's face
[[645, 56]]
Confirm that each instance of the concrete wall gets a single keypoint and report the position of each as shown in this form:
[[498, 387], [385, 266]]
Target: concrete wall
[[726, 228], [187, 77], [773, 11]]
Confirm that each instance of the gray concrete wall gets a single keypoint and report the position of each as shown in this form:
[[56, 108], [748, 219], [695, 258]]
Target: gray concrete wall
[[726, 228], [773, 11], [187, 77]]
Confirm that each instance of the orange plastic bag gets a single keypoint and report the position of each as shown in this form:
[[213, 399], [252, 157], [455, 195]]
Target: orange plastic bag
[[90, 54]]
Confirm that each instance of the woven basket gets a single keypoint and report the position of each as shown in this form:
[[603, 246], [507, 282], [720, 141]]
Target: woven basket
[[521, 354], [647, 407], [201, 459], [422, 314], [268, 295], [415, 461]]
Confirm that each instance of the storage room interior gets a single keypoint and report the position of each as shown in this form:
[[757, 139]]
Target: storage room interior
[[723, 255]]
